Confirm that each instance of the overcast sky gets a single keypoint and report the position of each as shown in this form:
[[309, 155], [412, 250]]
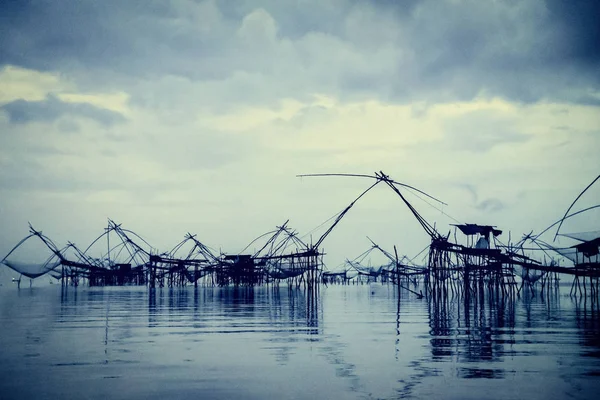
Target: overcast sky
[[195, 116]]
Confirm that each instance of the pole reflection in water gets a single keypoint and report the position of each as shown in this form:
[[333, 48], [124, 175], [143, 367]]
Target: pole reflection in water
[[519, 347], [363, 341]]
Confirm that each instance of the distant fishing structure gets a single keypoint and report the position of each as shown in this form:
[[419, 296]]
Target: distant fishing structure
[[130, 260], [477, 262]]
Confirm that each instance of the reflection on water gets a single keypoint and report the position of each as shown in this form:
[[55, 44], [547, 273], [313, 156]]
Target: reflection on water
[[340, 342]]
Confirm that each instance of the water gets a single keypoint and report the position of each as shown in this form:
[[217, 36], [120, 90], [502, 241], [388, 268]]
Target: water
[[347, 342]]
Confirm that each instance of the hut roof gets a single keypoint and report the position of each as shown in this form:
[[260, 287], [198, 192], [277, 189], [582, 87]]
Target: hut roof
[[589, 248], [474, 229]]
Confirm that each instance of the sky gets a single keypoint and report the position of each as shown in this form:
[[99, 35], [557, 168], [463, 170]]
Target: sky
[[196, 116]]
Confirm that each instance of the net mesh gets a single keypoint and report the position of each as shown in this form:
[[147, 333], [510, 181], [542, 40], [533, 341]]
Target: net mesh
[[31, 270], [582, 236]]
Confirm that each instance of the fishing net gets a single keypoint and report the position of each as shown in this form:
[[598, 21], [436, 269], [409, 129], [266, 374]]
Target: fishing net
[[582, 236], [283, 274], [371, 271], [575, 256], [31, 270], [569, 253], [351, 274], [279, 270]]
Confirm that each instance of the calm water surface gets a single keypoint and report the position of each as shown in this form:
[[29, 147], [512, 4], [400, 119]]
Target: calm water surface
[[347, 342]]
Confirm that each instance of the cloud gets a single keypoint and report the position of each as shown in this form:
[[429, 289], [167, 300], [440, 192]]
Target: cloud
[[490, 205], [579, 29], [313, 115], [196, 115], [31, 85], [249, 52], [52, 108], [481, 130], [470, 189]]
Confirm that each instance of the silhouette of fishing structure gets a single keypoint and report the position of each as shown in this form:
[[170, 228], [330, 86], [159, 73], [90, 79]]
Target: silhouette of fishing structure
[[402, 272], [130, 260], [478, 261], [283, 257], [584, 255], [449, 262]]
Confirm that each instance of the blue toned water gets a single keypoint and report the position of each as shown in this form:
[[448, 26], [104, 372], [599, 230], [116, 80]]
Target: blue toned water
[[348, 342]]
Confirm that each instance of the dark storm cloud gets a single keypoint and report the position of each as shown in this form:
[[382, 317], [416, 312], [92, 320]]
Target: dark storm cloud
[[52, 108], [577, 21], [392, 50], [44, 34], [132, 37]]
